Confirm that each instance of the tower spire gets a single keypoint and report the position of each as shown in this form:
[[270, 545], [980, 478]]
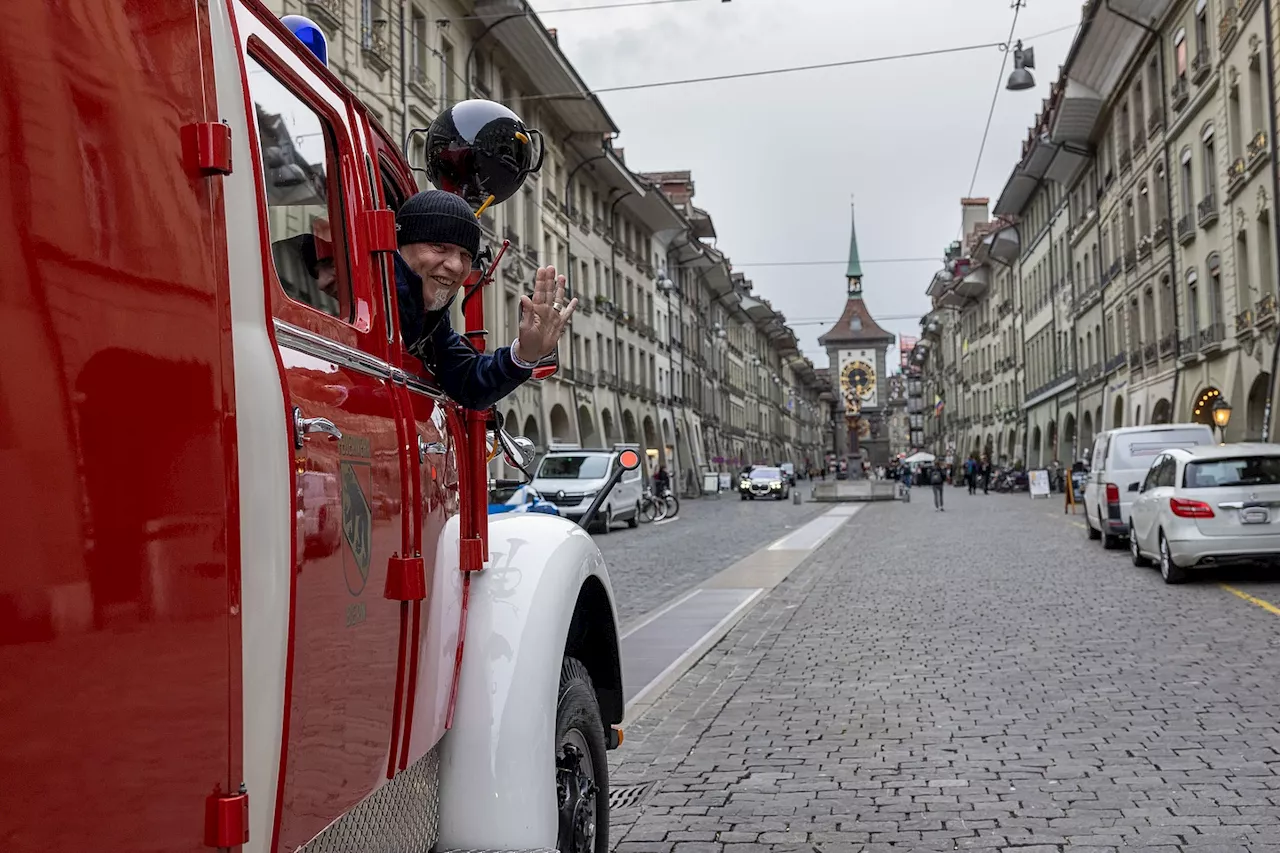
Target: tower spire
[[854, 272]]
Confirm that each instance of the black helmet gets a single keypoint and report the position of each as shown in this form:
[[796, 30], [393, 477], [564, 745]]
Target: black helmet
[[480, 148]]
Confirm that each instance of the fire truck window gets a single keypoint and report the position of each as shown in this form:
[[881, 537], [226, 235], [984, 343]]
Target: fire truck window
[[299, 159]]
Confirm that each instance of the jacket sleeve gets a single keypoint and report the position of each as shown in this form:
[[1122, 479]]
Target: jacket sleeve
[[475, 380]]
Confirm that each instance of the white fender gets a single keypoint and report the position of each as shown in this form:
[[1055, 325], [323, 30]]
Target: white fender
[[497, 769]]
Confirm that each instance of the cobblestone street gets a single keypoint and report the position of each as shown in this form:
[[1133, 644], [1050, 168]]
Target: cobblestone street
[[984, 678], [652, 564]]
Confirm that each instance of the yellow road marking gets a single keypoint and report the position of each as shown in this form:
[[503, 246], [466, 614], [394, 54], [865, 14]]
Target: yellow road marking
[[1080, 524], [1265, 605]]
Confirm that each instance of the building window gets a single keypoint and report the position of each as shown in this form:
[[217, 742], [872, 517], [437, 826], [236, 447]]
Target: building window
[[1180, 53], [1187, 184], [1193, 302], [1210, 170]]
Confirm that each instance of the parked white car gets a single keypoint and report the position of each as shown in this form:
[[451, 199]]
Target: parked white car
[[571, 477], [1207, 506], [1120, 459]]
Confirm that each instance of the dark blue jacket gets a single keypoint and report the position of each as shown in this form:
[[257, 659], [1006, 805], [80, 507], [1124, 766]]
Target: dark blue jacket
[[475, 380]]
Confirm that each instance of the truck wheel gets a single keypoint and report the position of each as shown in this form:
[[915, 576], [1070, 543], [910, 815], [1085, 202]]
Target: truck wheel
[[582, 770]]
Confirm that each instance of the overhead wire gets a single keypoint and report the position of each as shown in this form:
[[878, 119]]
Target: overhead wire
[[995, 96], [768, 72]]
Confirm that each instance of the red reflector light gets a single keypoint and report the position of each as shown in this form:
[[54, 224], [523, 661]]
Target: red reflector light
[[1113, 493], [1184, 508]]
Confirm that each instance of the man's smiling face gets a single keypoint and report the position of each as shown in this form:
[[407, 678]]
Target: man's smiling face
[[443, 267]]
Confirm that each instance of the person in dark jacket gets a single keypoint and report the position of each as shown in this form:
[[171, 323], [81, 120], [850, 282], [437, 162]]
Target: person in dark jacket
[[439, 237]]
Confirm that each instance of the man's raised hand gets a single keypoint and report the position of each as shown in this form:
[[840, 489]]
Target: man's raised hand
[[543, 316]]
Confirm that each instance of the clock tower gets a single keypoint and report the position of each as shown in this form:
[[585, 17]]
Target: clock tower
[[856, 346]]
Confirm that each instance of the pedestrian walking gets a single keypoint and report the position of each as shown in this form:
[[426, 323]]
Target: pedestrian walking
[[937, 479], [986, 475]]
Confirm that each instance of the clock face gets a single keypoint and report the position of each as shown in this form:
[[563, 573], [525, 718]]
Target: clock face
[[862, 377]]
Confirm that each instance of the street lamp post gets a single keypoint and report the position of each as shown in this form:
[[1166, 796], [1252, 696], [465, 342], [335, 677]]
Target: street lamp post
[[1222, 416]]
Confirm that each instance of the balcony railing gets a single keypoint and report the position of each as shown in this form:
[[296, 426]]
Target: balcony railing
[[1161, 232], [1266, 310], [1114, 269], [1186, 229], [1155, 121], [1144, 248], [1207, 210], [1213, 334], [1188, 345], [1180, 94], [1168, 344], [1244, 321], [1151, 353], [1228, 24], [1116, 362], [1139, 142], [1257, 147], [1135, 361], [1130, 259], [1200, 66], [1237, 173]]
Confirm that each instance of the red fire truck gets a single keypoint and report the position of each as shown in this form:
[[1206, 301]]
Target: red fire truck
[[251, 597]]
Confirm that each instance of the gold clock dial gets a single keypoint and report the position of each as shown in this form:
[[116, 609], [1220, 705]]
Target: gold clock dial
[[862, 377]]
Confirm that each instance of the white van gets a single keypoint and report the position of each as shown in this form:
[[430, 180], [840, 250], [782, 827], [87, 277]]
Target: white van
[[1120, 459], [570, 478]]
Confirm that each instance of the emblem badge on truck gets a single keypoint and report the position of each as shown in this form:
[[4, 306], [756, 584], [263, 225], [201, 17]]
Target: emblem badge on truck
[[357, 526]]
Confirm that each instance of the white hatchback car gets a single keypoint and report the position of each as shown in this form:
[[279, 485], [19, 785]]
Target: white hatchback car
[[1202, 507]]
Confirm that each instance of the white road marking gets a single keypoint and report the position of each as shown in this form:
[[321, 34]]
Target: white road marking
[[695, 648], [671, 606], [667, 520], [813, 534]]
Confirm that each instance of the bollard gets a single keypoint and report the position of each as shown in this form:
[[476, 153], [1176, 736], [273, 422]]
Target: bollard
[[796, 497]]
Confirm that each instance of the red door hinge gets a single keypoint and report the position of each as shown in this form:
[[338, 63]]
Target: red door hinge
[[471, 554], [206, 146], [380, 230], [406, 579], [226, 820]]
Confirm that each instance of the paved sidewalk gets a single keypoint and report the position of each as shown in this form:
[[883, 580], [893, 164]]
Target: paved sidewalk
[[984, 678]]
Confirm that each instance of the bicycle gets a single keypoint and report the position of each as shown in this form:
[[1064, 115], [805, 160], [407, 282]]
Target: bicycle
[[671, 504], [651, 508]]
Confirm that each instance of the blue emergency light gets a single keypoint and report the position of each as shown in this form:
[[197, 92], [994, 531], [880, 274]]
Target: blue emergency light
[[310, 35]]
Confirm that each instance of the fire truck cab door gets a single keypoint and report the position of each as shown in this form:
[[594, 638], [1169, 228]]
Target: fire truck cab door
[[326, 300]]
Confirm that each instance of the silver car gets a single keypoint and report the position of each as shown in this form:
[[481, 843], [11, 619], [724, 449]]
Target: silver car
[[1202, 507]]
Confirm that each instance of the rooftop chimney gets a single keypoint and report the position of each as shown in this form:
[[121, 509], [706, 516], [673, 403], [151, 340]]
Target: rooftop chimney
[[973, 212]]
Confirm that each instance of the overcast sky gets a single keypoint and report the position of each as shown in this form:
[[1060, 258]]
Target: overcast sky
[[776, 159]]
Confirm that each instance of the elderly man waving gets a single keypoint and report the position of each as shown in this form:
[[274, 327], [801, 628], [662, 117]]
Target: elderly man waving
[[439, 237]]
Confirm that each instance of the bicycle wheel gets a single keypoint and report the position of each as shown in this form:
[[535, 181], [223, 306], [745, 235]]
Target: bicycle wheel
[[672, 505], [648, 510]]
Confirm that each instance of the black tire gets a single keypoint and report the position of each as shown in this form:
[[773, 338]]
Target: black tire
[[604, 521], [671, 505], [1134, 554], [1109, 540], [1169, 570], [582, 767], [634, 521], [649, 512], [744, 497]]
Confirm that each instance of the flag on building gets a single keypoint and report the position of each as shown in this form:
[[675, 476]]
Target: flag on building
[[937, 406]]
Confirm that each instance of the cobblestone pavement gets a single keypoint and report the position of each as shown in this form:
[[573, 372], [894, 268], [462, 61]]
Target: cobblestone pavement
[[983, 678], [654, 563]]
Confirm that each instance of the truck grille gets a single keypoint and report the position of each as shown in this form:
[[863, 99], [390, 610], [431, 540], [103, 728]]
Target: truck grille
[[567, 500]]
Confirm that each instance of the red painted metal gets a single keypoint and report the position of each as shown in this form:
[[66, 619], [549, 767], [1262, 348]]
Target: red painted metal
[[207, 147], [116, 629], [226, 820], [380, 226], [406, 579]]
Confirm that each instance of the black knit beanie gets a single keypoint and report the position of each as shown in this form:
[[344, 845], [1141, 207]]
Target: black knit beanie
[[436, 216]]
